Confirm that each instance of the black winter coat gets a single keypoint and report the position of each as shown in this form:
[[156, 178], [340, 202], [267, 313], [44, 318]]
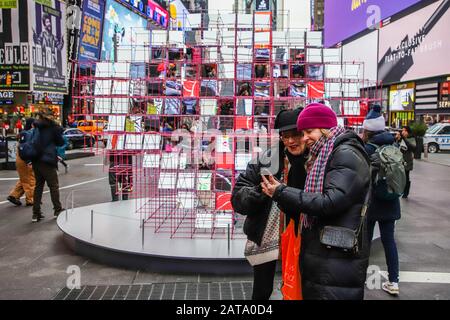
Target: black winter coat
[[248, 199], [380, 209], [408, 153], [50, 137], [333, 273]]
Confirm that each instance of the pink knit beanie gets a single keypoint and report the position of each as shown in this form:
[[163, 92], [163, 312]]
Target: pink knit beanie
[[316, 116]]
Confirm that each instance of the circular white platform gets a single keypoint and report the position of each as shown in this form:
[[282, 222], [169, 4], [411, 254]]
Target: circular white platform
[[116, 239]]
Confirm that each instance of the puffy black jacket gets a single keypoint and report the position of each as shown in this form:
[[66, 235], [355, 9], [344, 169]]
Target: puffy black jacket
[[333, 273], [379, 209], [50, 138], [247, 196]]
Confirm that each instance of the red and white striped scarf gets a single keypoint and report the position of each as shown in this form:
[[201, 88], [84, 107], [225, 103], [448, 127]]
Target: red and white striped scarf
[[320, 152]]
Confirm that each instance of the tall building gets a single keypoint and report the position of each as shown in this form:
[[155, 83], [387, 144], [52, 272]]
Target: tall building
[[318, 10]]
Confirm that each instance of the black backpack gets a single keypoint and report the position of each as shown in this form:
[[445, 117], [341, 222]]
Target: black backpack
[[29, 145]]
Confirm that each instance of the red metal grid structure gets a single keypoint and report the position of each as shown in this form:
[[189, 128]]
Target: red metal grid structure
[[180, 130]]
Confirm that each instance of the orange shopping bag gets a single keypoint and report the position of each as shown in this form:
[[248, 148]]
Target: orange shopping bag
[[290, 254]]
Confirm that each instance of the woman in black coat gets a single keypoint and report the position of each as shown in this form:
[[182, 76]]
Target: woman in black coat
[[248, 199], [338, 175]]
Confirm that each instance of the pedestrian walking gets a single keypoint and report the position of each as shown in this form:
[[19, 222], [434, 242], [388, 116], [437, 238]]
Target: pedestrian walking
[[334, 252], [383, 210], [262, 223], [407, 146], [45, 166], [26, 183]]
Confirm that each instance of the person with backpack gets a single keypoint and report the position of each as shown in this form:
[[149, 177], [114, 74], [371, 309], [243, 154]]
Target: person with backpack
[[26, 183], [47, 137], [334, 253], [262, 223], [388, 182]]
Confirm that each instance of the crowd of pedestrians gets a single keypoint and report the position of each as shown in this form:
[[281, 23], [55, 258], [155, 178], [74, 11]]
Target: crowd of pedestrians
[[312, 199]]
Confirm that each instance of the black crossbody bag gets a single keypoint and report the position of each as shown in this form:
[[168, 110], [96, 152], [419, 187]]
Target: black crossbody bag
[[345, 238]]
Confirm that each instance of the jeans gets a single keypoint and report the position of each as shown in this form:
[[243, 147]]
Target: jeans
[[263, 276], [387, 229]]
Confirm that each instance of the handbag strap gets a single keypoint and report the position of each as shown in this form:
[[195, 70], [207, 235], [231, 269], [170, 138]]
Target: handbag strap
[[365, 207]]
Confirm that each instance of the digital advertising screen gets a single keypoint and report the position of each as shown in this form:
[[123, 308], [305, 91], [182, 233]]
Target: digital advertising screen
[[118, 26], [345, 18], [401, 97], [416, 46]]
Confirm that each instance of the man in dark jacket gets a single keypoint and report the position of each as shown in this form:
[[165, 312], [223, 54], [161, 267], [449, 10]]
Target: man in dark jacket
[[385, 212], [407, 147], [46, 166], [248, 199]]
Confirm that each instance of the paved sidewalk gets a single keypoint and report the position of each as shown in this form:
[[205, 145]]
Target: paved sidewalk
[[442, 158]]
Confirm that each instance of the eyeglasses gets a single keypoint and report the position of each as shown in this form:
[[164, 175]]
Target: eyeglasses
[[293, 135]]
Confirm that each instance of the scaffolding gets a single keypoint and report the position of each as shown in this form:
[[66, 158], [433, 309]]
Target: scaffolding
[[188, 110]]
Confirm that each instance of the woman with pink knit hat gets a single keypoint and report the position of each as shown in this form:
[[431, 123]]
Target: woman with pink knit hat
[[334, 247]]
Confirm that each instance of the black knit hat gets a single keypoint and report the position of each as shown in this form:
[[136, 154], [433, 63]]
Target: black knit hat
[[28, 123], [287, 119]]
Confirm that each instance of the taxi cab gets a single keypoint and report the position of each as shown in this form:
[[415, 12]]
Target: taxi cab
[[93, 127], [438, 137]]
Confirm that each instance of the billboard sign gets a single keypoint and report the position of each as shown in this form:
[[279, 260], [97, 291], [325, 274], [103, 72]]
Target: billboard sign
[[49, 46], [14, 49], [178, 15], [345, 18], [262, 5], [416, 46], [157, 13], [401, 97], [91, 30], [8, 4], [150, 9], [118, 28]]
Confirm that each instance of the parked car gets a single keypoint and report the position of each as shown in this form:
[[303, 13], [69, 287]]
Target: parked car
[[78, 139], [3, 147], [438, 137]]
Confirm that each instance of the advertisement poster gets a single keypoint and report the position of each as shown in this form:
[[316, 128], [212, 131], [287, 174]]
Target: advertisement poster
[[345, 18], [262, 5], [118, 27], [401, 97], [416, 46], [49, 46], [91, 30], [158, 14], [14, 48], [150, 9], [178, 15], [8, 4]]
